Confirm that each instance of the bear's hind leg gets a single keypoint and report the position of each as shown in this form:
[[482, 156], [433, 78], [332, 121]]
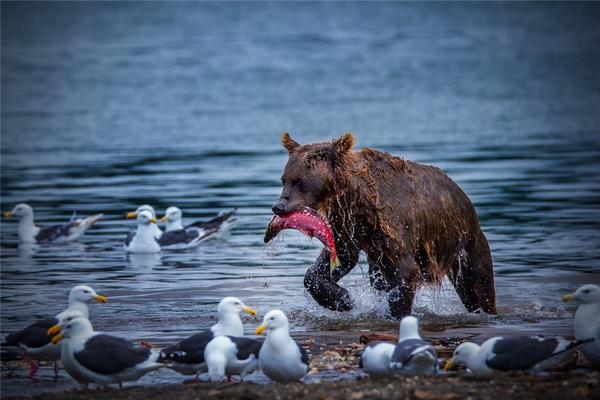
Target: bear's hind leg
[[403, 287], [473, 279]]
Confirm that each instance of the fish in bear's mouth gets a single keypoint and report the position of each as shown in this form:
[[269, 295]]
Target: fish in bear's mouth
[[309, 222]]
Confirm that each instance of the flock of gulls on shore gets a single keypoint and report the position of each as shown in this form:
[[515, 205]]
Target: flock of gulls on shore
[[224, 351]]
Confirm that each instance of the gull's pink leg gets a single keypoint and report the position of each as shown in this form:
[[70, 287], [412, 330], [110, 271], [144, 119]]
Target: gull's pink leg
[[33, 368], [56, 369]]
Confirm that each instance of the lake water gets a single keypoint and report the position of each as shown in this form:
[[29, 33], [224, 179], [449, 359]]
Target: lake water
[[108, 106]]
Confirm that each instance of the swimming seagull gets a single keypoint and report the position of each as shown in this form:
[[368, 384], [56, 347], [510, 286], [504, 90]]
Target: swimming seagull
[[219, 224], [412, 354], [95, 357], [157, 232], [512, 353], [280, 357], [35, 342], [67, 232], [587, 320], [230, 355], [142, 240], [187, 356]]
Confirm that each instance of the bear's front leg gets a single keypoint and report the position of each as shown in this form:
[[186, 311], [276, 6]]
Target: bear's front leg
[[323, 287]]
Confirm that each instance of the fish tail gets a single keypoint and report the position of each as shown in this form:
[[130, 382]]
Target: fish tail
[[334, 262]]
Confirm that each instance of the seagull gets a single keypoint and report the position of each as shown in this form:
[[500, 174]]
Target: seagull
[[187, 356], [587, 320], [143, 240], [157, 232], [219, 224], [412, 354], [511, 353], [230, 355], [67, 232], [95, 357], [35, 342], [375, 358], [280, 357]]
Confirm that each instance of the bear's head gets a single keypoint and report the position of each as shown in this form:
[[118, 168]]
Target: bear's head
[[308, 178]]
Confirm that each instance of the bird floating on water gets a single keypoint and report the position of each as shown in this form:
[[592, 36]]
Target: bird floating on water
[[587, 320], [156, 231], [187, 356], [280, 357], [221, 224], [67, 232], [95, 357], [512, 353], [143, 239], [33, 339]]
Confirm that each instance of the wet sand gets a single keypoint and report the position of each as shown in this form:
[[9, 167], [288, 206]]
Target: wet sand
[[561, 385]]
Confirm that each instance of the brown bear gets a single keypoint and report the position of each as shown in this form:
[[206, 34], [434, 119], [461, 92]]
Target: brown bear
[[413, 222]]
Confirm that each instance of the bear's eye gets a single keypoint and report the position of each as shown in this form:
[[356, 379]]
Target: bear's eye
[[299, 183]]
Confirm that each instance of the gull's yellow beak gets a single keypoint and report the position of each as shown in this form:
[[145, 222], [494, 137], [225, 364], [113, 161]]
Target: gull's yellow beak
[[164, 218], [57, 338], [261, 328], [569, 297], [449, 365], [249, 310], [101, 299], [131, 214], [153, 220], [53, 330], [8, 214]]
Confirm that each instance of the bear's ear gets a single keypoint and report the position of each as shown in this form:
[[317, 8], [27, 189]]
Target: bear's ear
[[289, 143], [344, 144]]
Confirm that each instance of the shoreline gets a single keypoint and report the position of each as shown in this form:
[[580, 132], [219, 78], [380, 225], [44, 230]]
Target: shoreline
[[583, 384]]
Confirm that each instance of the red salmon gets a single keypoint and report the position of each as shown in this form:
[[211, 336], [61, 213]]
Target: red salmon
[[309, 222]]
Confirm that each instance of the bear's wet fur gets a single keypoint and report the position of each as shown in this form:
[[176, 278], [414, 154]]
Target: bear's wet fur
[[414, 223]]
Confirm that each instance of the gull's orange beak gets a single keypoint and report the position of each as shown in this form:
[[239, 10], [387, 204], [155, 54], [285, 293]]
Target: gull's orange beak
[[449, 365], [249, 310], [164, 218], [261, 328], [101, 299], [53, 330], [57, 338], [131, 214], [153, 220], [8, 214], [569, 297]]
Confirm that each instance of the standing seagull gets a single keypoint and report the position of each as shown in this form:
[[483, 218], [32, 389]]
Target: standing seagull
[[511, 353], [412, 354], [187, 356], [35, 342], [375, 358], [142, 240], [67, 232], [157, 232], [218, 225], [94, 357], [280, 357], [230, 355], [587, 320]]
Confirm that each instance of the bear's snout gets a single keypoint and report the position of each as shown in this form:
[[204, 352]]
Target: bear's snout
[[279, 208]]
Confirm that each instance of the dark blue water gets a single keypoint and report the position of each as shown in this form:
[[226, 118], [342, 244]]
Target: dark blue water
[[106, 106]]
